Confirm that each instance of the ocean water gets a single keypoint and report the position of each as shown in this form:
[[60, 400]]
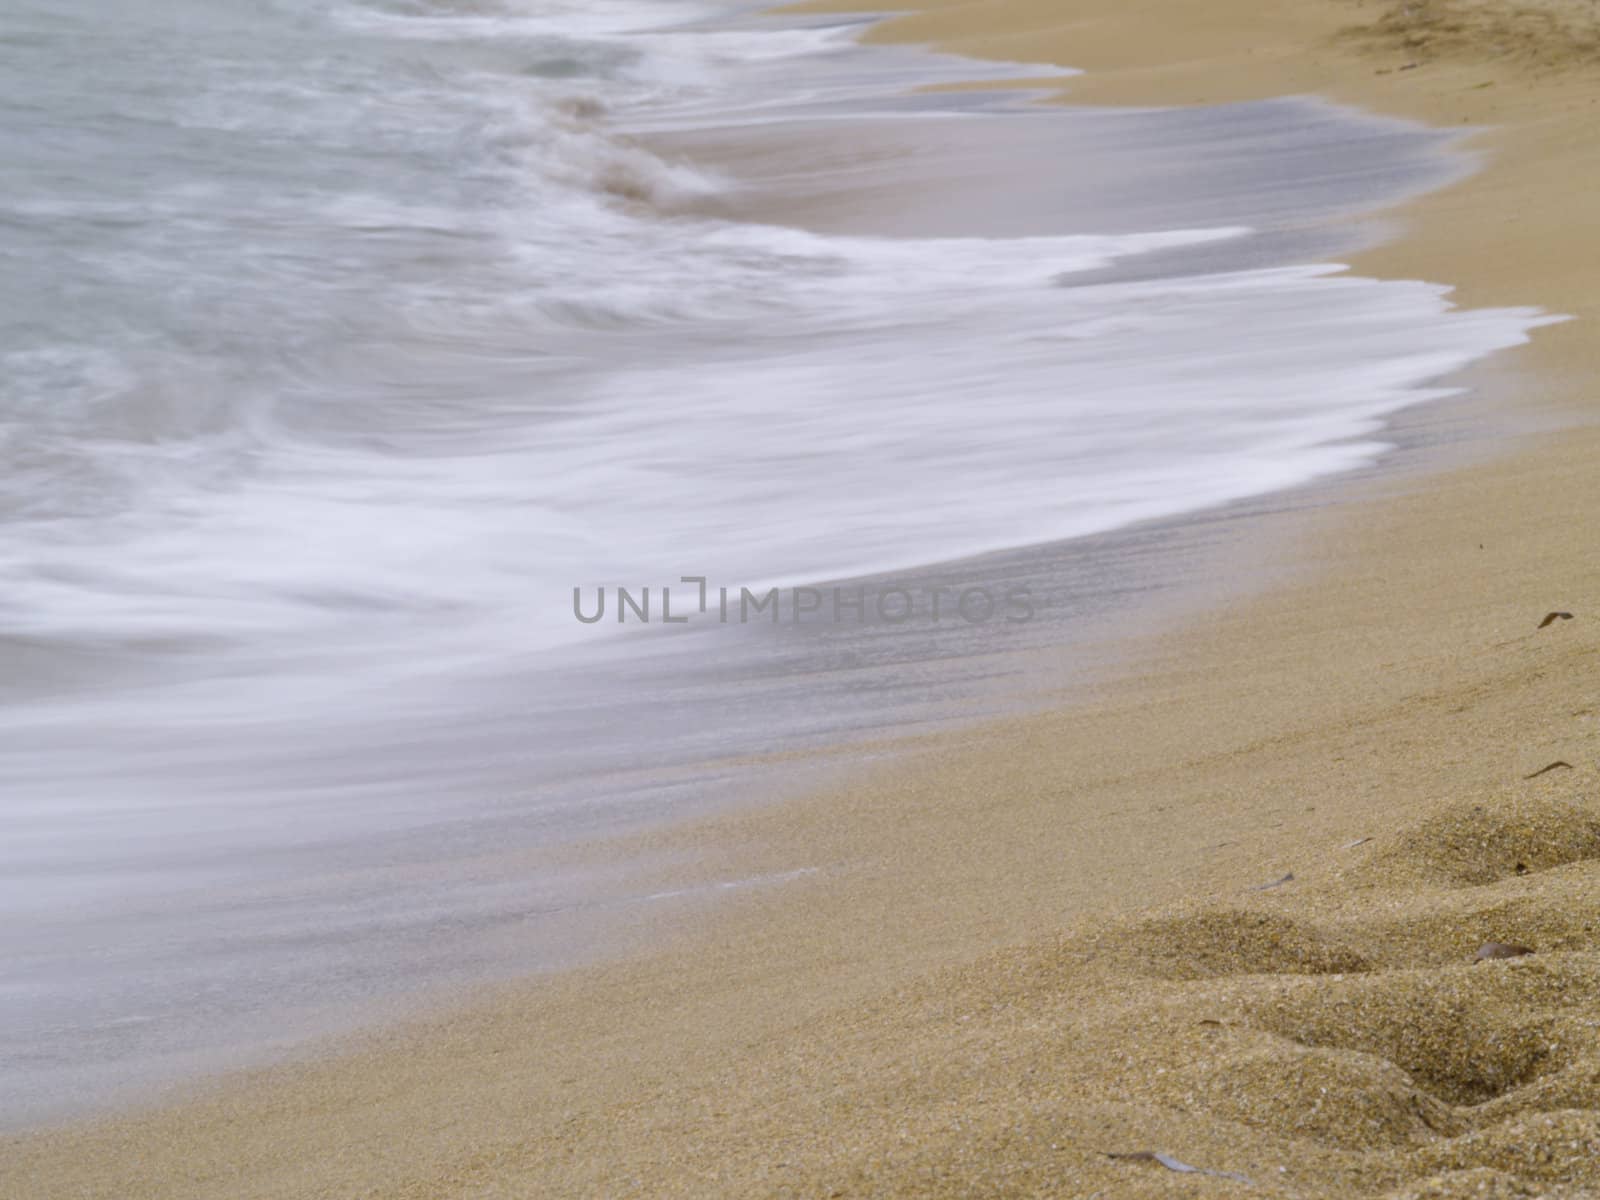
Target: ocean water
[[341, 340]]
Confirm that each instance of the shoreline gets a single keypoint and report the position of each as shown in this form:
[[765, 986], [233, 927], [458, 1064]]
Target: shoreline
[[1345, 51], [1390, 609]]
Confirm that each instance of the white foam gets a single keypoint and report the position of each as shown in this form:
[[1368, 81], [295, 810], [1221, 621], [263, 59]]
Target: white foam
[[606, 395], [777, 406], [546, 383]]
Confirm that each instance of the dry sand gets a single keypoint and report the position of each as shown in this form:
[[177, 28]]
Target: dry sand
[[858, 1033]]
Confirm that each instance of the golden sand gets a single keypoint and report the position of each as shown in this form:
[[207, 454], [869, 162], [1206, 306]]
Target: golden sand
[[1366, 728]]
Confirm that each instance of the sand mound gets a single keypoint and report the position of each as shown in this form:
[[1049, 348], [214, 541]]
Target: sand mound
[[1208, 942], [1460, 1078], [1542, 33], [1351, 1101], [1447, 930], [1574, 1086], [1335, 1039], [1465, 1034], [1547, 1147], [1480, 1183], [1479, 843]]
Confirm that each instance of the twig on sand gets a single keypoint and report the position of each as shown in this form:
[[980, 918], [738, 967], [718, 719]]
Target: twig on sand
[[1550, 618], [1557, 765]]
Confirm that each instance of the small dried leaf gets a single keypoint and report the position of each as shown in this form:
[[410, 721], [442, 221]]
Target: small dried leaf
[[1267, 887], [1552, 618]]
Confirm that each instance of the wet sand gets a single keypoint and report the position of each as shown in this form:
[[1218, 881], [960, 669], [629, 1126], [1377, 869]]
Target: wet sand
[[860, 1030]]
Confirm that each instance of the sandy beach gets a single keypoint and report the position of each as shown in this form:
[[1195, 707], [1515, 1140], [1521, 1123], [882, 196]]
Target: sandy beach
[[1227, 912]]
